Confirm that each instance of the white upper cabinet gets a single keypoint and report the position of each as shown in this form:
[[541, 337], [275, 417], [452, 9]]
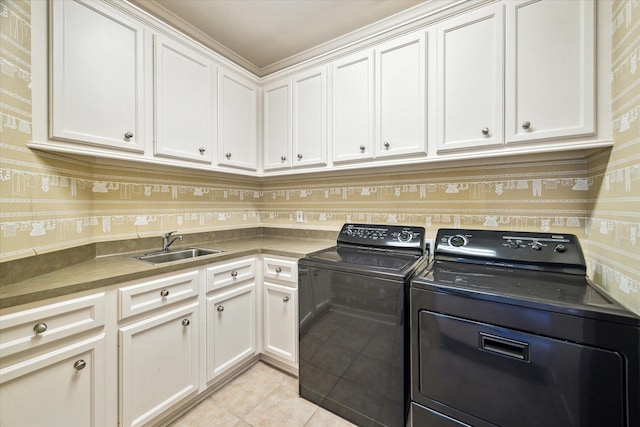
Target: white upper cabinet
[[353, 107], [97, 76], [550, 79], [237, 121], [277, 125], [310, 118], [184, 102], [469, 87], [510, 77], [401, 96]]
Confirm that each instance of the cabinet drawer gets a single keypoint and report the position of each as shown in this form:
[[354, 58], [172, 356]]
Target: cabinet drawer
[[231, 273], [42, 325], [281, 269], [150, 295]]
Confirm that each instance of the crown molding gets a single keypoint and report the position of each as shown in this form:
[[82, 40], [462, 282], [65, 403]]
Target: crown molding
[[409, 19]]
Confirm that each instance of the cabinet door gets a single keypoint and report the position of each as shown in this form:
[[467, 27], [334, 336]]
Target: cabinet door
[[97, 76], [550, 79], [353, 108], [401, 96], [183, 102], [231, 328], [158, 364], [470, 80], [277, 125], [237, 121], [310, 118], [281, 321], [63, 387]]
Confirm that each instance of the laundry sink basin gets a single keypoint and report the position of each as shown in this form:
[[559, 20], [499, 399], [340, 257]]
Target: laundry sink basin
[[175, 255]]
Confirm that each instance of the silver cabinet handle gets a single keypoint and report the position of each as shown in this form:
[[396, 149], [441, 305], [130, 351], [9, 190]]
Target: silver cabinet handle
[[285, 299], [362, 148], [202, 150], [40, 328], [228, 155], [386, 145], [283, 158], [164, 293], [186, 322], [485, 131], [128, 135], [220, 308], [526, 125], [299, 156], [234, 273], [278, 270], [80, 365]]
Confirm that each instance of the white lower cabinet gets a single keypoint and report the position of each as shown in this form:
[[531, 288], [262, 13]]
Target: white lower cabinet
[[280, 321], [53, 370], [139, 352], [280, 310], [231, 328], [63, 387], [159, 361]]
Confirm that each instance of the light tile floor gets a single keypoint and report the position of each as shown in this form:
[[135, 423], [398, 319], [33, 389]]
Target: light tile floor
[[261, 397]]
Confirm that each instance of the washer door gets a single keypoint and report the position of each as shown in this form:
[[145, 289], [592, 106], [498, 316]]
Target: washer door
[[509, 378]]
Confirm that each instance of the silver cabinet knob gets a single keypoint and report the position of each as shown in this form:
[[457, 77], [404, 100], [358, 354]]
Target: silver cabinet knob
[[80, 365], [386, 145], [362, 148], [285, 299], [128, 135], [526, 125], [202, 150], [40, 328], [485, 131], [228, 155], [164, 293], [299, 156], [186, 322], [283, 158], [278, 270], [220, 308], [234, 273]]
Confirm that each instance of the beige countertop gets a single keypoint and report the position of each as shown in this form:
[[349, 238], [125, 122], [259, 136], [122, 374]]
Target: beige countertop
[[119, 268]]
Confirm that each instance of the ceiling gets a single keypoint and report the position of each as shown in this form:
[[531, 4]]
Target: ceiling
[[264, 36]]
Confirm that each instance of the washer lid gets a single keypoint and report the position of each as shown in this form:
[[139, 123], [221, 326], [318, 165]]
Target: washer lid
[[391, 260]]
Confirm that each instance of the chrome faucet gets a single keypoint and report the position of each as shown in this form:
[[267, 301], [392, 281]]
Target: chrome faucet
[[166, 242]]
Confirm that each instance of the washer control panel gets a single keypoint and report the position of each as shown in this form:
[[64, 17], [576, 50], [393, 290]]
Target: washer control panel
[[539, 251], [383, 236]]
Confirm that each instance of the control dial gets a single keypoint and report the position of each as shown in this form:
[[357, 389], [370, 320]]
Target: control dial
[[405, 236], [458, 240], [536, 246], [560, 248]]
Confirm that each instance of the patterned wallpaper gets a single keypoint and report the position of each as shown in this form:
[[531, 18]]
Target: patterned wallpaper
[[613, 247], [50, 202]]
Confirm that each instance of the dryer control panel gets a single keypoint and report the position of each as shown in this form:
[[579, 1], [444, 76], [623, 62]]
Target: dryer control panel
[[518, 249]]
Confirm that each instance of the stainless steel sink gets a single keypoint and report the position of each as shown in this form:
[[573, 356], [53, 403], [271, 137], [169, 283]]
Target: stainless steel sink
[[174, 255]]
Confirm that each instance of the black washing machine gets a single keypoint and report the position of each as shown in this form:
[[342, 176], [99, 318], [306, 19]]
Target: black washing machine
[[353, 322], [507, 330]]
